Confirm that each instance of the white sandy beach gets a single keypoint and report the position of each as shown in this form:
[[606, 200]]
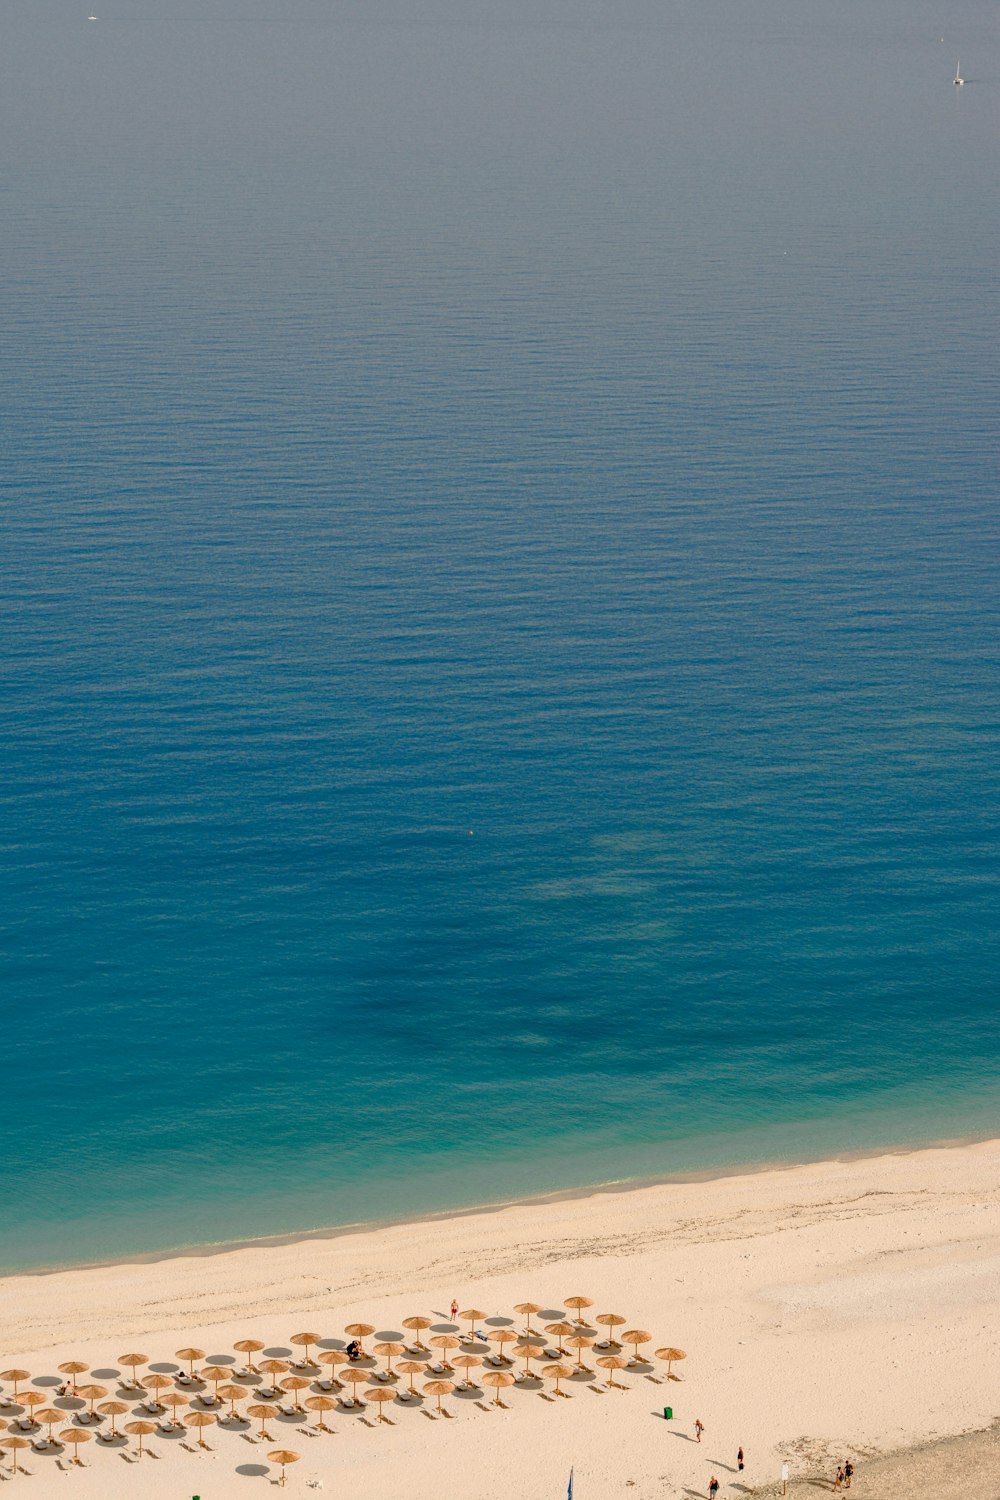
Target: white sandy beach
[[830, 1310]]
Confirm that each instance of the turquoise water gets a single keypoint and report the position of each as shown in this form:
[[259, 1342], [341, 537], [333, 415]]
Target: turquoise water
[[500, 604]]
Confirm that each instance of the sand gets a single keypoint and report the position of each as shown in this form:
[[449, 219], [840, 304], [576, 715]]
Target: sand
[[837, 1309]]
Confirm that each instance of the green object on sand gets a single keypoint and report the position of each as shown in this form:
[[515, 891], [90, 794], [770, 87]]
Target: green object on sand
[[668, 1412]]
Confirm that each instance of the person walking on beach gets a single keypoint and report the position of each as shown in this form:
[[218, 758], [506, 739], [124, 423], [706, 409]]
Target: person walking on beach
[[699, 1428], [713, 1488], [848, 1474], [454, 1310], [786, 1475], [739, 1460], [838, 1483]]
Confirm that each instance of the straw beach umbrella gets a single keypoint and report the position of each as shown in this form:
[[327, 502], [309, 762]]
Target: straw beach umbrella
[[321, 1404], [439, 1388], [305, 1341], [611, 1363], [293, 1384], [190, 1355], [75, 1436], [283, 1456], [92, 1393], [265, 1412], [114, 1410], [557, 1373], [200, 1420], [579, 1342], [578, 1304], [133, 1362], [157, 1383], [274, 1367], [356, 1378], [526, 1352], [31, 1399], [72, 1368], [411, 1367], [232, 1394], [389, 1352], [466, 1362], [671, 1356], [18, 1375], [472, 1316], [14, 1445], [559, 1331], [334, 1358], [50, 1416], [635, 1337], [498, 1379], [175, 1400], [502, 1336], [140, 1430], [418, 1324], [610, 1321], [360, 1331], [444, 1342], [528, 1309], [380, 1394], [249, 1347], [216, 1374]]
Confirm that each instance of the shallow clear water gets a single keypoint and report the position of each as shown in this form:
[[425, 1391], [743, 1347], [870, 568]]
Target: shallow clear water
[[500, 603]]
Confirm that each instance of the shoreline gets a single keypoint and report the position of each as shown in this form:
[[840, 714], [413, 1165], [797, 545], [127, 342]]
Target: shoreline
[[209, 1249]]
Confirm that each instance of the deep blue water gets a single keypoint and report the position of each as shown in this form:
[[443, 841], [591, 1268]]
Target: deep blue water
[[500, 604]]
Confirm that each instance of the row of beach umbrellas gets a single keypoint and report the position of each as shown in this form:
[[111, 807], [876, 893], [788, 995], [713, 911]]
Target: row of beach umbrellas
[[606, 1331]]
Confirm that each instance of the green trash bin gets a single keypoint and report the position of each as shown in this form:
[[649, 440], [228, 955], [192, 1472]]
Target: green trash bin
[[668, 1413]]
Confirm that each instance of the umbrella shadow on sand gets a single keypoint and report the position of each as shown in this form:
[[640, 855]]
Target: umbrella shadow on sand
[[252, 1471]]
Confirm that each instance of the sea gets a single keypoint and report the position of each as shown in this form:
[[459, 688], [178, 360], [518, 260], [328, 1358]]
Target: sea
[[500, 607]]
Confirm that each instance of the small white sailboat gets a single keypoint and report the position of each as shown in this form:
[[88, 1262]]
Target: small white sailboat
[[958, 80]]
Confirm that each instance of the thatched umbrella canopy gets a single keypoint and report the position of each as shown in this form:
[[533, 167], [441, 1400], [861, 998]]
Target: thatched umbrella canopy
[[92, 1393], [411, 1367], [528, 1309], [50, 1415], [444, 1342], [75, 1436], [18, 1375], [526, 1352], [380, 1394], [216, 1374], [200, 1420], [671, 1356], [472, 1316], [635, 1337], [610, 1321], [360, 1331], [114, 1410], [283, 1456], [467, 1362], [157, 1383], [418, 1324], [498, 1379], [557, 1373], [133, 1362], [249, 1347], [389, 1352], [578, 1304], [140, 1430], [294, 1384], [439, 1388], [274, 1367], [32, 1399], [190, 1355], [265, 1412], [305, 1341], [14, 1446], [560, 1331], [321, 1404], [356, 1378], [611, 1363], [579, 1342], [175, 1401]]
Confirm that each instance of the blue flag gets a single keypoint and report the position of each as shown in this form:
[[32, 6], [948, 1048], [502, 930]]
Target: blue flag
[[569, 1492]]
